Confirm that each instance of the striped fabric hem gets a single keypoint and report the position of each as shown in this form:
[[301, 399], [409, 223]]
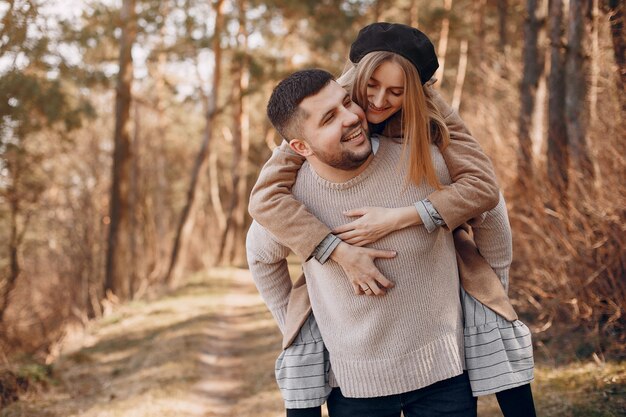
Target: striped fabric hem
[[498, 353], [302, 369]]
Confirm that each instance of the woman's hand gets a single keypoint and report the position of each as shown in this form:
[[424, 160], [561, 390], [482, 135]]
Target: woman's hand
[[374, 223]]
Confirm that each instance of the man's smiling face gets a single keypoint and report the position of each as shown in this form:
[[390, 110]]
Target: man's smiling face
[[335, 129]]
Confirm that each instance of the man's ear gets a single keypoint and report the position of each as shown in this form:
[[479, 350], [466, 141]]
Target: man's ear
[[301, 147]]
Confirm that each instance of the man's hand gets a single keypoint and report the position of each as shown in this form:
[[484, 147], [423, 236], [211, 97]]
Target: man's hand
[[358, 264]]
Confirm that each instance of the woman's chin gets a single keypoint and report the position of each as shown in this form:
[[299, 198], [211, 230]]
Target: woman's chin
[[376, 118]]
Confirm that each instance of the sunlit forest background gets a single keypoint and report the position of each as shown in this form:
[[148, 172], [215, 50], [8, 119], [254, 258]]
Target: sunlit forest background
[[132, 131]]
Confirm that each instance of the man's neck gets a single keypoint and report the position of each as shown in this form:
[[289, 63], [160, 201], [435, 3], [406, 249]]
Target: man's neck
[[337, 175]]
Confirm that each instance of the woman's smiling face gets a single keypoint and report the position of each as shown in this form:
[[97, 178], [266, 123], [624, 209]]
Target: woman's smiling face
[[385, 92]]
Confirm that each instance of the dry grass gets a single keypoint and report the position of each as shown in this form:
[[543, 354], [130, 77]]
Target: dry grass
[[209, 350]]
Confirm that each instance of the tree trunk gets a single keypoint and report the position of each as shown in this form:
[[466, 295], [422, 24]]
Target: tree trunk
[[576, 91], [442, 47], [7, 284], [595, 67], [503, 43], [214, 186], [158, 153], [212, 100], [558, 159], [533, 67], [413, 18], [460, 76], [615, 9], [241, 146], [479, 28], [117, 279]]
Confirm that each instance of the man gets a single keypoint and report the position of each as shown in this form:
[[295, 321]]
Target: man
[[402, 352]]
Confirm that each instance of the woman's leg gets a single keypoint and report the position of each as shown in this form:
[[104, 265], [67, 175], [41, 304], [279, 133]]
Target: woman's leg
[[517, 402]]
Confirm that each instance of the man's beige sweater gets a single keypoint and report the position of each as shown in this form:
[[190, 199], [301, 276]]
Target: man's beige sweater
[[408, 339]]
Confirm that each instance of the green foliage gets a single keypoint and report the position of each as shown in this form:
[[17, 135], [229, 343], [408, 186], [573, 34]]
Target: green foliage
[[36, 373]]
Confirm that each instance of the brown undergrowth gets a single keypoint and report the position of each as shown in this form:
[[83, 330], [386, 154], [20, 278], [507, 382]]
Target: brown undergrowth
[[568, 276], [209, 350]]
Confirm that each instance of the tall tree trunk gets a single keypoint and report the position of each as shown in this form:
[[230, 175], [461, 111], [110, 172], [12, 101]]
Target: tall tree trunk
[[533, 67], [214, 186], [413, 14], [503, 6], [7, 284], [615, 9], [241, 146], [479, 28], [211, 111], [558, 159], [595, 67], [117, 279], [442, 46], [460, 76], [159, 151], [576, 90]]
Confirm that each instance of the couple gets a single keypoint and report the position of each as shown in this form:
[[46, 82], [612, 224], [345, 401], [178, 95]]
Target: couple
[[418, 343]]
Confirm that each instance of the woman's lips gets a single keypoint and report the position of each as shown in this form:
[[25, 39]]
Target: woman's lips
[[376, 109]]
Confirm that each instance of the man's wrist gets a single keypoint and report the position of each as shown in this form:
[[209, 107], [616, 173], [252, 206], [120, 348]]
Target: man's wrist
[[339, 252]]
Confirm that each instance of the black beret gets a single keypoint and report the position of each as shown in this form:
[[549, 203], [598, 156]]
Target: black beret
[[400, 39]]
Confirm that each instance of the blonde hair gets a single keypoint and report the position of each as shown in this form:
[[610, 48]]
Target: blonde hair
[[421, 121]]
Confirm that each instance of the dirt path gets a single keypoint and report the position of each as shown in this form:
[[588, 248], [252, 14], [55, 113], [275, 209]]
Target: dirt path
[[209, 350]]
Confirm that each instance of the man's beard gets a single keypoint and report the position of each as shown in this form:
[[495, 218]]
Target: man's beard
[[345, 160]]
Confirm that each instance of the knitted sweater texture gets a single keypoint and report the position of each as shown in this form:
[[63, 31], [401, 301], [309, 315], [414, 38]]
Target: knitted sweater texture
[[408, 339]]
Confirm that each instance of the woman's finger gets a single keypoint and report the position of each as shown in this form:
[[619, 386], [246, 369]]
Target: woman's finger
[[344, 228], [349, 235], [374, 288], [356, 241], [355, 212]]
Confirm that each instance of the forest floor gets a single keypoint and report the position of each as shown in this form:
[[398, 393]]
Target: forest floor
[[209, 350]]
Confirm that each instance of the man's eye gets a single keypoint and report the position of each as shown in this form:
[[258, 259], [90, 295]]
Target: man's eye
[[328, 119]]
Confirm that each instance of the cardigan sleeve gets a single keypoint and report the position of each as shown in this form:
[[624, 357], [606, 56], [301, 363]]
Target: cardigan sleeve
[[494, 240], [474, 189], [268, 266], [276, 209]]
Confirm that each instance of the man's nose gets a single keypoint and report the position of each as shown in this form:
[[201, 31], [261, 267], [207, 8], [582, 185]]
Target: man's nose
[[351, 118]]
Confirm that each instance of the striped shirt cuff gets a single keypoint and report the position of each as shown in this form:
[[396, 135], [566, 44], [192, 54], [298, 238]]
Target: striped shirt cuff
[[326, 248], [429, 215]]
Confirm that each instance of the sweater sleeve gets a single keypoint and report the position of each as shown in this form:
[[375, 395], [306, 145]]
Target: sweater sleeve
[[268, 265], [474, 188], [274, 207], [494, 240]]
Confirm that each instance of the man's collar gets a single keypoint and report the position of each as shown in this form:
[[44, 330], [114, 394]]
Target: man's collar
[[375, 140]]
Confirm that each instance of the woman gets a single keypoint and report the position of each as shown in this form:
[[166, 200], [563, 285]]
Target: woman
[[391, 64]]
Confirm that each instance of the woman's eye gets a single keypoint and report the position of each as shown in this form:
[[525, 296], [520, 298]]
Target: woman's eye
[[328, 119]]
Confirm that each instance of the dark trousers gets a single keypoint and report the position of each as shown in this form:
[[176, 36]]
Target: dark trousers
[[451, 398]]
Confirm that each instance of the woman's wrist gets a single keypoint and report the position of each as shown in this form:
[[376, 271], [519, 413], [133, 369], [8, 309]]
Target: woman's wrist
[[406, 217]]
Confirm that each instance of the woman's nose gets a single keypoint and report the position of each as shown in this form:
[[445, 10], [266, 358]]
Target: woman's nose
[[379, 98]]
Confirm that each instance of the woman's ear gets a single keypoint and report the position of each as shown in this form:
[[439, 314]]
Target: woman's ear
[[301, 147]]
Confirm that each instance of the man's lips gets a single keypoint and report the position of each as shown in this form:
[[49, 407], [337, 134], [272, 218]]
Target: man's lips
[[353, 135]]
